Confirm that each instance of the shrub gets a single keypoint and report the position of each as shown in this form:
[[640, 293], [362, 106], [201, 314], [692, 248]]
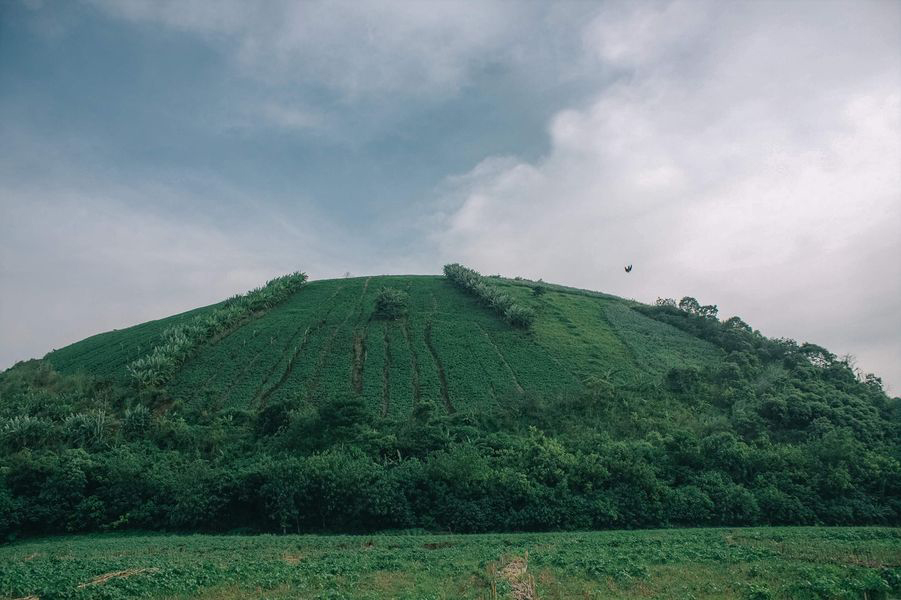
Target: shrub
[[24, 432], [391, 303], [489, 295], [87, 430], [137, 421], [520, 316]]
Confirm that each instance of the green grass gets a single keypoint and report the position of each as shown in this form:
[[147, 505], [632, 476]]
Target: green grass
[[108, 354], [323, 342], [751, 563]]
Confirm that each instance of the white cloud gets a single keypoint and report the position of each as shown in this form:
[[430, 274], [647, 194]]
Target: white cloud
[[748, 154], [357, 48], [77, 262], [289, 117]]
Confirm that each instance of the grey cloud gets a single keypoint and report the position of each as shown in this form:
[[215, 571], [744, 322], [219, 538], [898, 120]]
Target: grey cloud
[[77, 262], [366, 49], [752, 160]]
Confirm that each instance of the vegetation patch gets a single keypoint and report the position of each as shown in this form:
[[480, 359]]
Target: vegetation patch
[[515, 313], [391, 303], [178, 341], [702, 564]]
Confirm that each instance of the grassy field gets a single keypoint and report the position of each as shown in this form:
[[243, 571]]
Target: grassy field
[[323, 342], [753, 563]]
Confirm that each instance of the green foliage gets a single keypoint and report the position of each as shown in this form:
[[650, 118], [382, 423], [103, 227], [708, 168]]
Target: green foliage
[[137, 421], [758, 563], [24, 431], [179, 341], [315, 417], [519, 315], [391, 303], [490, 295], [87, 430]]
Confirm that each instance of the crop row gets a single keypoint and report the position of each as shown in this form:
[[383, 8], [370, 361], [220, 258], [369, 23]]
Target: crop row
[[324, 343], [179, 341], [244, 364], [657, 346], [471, 281], [332, 374], [108, 354]]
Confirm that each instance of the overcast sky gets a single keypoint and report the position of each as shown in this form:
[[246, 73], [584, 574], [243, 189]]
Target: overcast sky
[[160, 155]]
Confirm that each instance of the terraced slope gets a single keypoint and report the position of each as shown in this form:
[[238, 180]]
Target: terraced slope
[[323, 343]]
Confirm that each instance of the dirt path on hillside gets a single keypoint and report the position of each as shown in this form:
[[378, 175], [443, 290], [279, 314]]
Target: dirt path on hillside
[[437, 360], [516, 574], [503, 360]]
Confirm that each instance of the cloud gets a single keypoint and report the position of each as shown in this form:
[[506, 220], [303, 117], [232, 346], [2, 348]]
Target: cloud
[[744, 155], [83, 260], [288, 117], [358, 49]]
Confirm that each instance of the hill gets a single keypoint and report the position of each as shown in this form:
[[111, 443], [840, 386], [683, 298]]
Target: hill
[[462, 403], [325, 342]]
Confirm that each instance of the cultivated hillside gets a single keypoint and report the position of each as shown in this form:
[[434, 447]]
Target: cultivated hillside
[[325, 341], [459, 403]]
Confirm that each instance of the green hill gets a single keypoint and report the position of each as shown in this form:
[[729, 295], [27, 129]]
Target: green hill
[[324, 342], [455, 403]]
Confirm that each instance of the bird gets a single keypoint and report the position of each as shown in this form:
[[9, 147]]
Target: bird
[[629, 269]]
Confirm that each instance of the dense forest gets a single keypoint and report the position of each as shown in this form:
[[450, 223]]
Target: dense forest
[[766, 431]]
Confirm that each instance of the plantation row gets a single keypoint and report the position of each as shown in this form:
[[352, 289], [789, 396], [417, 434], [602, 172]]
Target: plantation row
[[598, 337], [109, 354], [327, 340], [179, 341], [467, 279], [324, 342]]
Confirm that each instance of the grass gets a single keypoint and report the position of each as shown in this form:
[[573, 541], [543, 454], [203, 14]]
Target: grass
[[108, 354], [323, 342], [752, 563]]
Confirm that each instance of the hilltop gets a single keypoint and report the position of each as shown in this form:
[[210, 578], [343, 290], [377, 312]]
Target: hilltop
[[462, 403]]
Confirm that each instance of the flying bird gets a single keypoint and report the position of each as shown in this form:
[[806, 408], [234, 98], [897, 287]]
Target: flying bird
[[629, 269]]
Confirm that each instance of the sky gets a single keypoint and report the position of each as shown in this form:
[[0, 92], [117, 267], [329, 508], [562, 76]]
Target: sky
[[159, 155]]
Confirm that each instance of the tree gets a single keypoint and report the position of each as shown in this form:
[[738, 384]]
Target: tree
[[690, 305], [708, 311], [391, 303]]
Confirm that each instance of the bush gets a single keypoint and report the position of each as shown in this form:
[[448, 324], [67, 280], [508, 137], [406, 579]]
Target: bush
[[137, 421], [24, 432], [489, 295], [87, 430], [391, 303], [520, 316]]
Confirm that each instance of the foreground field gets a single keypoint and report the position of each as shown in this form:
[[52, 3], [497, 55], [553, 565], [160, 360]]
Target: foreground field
[[811, 562]]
